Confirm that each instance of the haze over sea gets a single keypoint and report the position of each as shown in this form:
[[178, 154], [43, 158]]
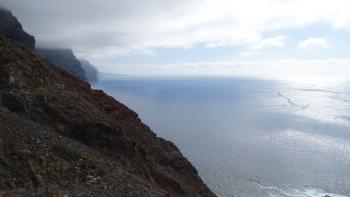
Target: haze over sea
[[250, 137]]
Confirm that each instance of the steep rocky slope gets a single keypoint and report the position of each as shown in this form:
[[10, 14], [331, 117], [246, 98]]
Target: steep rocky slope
[[91, 72], [58, 136], [13, 29], [65, 59]]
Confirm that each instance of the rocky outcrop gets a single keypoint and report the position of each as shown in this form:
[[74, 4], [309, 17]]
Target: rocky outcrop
[[90, 71], [13, 29], [64, 59], [59, 137]]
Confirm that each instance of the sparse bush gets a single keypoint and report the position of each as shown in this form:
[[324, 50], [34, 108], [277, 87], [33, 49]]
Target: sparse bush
[[41, 92]]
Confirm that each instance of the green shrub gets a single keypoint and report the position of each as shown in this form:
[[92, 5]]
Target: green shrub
[[40, 92]]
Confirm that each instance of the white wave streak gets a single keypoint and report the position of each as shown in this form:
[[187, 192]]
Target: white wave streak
[[292, 103], [305, 192]]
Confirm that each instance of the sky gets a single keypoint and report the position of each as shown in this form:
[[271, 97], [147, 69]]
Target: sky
[[221, 37]]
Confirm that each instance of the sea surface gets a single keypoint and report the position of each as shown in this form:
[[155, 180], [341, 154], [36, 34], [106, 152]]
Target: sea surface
[[250, 137]]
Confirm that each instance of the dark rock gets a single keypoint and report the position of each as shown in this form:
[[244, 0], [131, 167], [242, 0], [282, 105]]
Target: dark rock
[[13, 29], [4, 78], [99, 135], [38, 180], [3, 161], [13, 102], [23, 154]]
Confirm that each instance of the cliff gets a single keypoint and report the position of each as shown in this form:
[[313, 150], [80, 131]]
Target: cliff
[[91, 72], [13, 29], [59, 137], [64, 59]]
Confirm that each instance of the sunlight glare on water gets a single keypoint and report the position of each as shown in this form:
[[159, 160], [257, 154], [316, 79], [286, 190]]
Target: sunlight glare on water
[[317, 98]]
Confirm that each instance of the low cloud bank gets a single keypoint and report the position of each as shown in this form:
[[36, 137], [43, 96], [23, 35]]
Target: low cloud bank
[[280, 69]]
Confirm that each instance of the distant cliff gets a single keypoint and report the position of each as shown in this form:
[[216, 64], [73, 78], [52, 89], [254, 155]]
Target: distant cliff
[[13, 29], [65, 59], [58, 137], [91, 72]]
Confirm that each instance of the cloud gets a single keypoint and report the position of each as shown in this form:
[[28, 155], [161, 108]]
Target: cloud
[[313, 43], [263, 44], [276, 69], [96, 29], [273, 42]]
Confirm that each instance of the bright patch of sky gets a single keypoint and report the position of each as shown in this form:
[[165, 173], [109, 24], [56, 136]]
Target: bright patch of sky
[[148, 37]]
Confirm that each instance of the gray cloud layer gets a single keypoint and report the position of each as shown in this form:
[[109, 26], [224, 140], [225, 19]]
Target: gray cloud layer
[[87, 24], [106, 28], [116, 26]]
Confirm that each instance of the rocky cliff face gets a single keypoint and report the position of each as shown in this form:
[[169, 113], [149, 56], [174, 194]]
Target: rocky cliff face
[[13, 29], [64, 59], [90, 71], [60, 137]]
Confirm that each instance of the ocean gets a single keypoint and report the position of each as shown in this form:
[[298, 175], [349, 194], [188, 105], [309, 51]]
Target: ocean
[[250, 137]]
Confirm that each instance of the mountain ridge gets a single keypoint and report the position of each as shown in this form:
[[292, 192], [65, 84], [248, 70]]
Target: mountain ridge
[[14, 30], [65, 59]]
